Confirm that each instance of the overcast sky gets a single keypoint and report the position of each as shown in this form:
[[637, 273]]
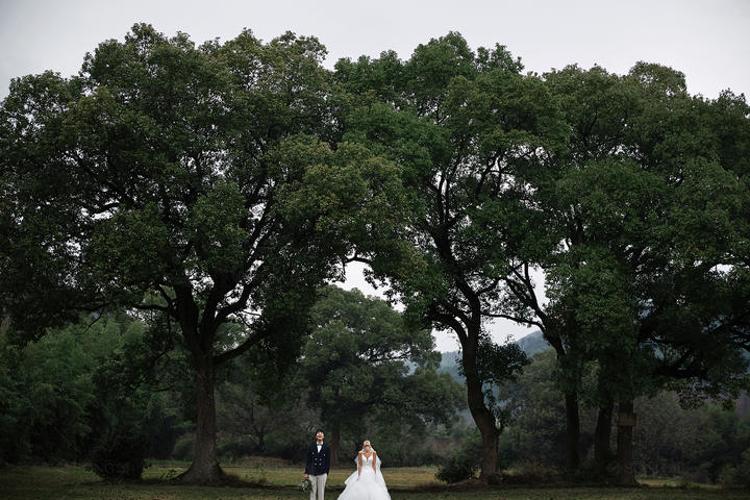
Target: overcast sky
[[707, 40]]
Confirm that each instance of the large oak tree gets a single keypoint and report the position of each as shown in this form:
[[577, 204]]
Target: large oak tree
[[460, 124], [650, 284], [168, 169]]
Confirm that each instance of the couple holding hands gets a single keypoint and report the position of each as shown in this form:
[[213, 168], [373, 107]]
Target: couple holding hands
[[366, 483]]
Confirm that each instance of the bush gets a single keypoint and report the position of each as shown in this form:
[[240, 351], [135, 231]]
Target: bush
[[743, 470], [234, 449], [737, 476], [183, 449], [120, 455], [699, 474], [728, 475], [463, 464], [457, 468]]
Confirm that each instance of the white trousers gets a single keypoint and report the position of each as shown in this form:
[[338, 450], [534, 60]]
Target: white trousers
[[318, 486]]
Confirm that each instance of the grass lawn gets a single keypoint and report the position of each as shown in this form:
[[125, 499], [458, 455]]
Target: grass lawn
[[280, 482]]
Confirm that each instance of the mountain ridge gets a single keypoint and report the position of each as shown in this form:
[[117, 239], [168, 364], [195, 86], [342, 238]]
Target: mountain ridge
[[531, 344]]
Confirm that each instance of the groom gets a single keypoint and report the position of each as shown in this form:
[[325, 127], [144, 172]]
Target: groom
[[317, 463]]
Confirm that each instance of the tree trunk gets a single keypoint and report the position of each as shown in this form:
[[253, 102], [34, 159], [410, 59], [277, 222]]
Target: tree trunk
[[573, 430], [335, 444], [572, 412], [482, 417], [205, 467], [625, 425], [602, 438], [261, 441]]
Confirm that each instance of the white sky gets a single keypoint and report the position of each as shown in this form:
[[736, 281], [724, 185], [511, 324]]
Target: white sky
[[708, 40]]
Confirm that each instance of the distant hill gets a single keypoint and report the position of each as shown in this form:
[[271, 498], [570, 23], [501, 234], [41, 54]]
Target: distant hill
[[449, 364], [531, 344]]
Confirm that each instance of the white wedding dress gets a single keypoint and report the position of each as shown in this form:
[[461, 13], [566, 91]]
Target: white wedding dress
[[369, 486]]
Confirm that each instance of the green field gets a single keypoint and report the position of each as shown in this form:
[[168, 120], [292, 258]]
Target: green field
[[280, 482]]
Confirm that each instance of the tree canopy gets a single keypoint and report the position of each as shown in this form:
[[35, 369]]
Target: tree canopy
[[217, 187], [164, 177]]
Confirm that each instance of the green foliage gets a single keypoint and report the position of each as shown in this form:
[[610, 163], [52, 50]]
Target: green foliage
[[461, 126], [652, 213], [535, 432], [173, 181], [120, 454], [738, 476], [463, 463], [217, 186], [14, 405], [697, 443], [448, 106], [355, 366], [166, 155], [500, 363], [87, 391], [129, 416], [263, 411], [51, 389], [703, 442], [497, 366]]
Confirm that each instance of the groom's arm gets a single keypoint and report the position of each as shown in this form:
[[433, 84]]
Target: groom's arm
[[328, 459], [308, 461]]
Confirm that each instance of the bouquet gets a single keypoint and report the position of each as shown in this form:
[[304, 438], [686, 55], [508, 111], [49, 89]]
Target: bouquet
[[305, 485]]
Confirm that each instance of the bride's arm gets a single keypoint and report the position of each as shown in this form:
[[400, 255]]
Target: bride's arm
[[374, 460], [359, 464]]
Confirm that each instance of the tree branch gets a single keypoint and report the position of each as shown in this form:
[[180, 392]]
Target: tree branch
[[517, 320], [246, 345], [152, 307]]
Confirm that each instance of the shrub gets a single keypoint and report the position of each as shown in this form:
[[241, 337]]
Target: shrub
[[743, 470], [463, 464], [120, 454], [739, 475], [699, 474], [457, 468], [183, 449], [234, 449]]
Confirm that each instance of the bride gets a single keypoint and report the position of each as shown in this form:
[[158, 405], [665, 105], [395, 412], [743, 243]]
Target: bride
[[366, 483]]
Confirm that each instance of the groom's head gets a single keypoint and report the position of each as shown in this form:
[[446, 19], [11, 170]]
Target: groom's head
[[319, 436]]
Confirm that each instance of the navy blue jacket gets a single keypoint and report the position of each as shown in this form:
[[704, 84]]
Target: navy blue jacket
[[317, 463]]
